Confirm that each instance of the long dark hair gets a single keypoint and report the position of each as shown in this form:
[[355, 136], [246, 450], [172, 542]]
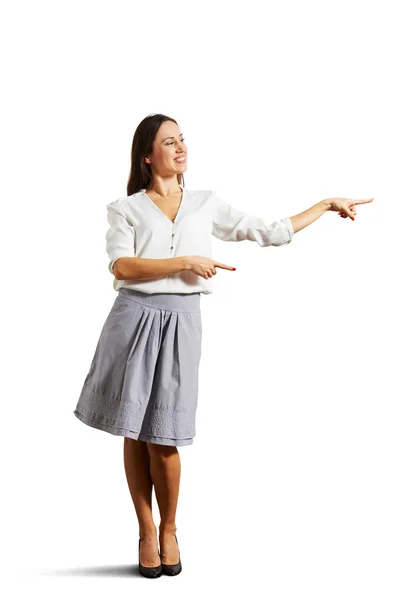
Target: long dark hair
[[142, 144]]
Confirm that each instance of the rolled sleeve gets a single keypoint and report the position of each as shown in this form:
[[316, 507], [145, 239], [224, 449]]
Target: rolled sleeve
[[289, 231], [120, 237], [233, 225]]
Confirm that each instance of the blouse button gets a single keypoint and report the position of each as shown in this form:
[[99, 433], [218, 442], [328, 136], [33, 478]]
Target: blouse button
[[171, 248]]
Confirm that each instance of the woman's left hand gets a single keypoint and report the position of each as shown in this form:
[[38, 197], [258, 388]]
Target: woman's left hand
[[345, 206]]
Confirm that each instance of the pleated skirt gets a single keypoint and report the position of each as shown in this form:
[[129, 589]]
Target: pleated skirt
[[143, 379]]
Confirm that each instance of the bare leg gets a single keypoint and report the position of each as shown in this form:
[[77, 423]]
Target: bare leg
[[137, 469], [165, 470]]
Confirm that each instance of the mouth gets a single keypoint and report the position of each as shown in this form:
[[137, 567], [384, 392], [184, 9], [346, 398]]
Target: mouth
[[180, 160]]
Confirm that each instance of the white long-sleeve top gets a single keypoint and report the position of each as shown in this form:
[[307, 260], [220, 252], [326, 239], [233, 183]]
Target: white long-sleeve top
[[138, 227]]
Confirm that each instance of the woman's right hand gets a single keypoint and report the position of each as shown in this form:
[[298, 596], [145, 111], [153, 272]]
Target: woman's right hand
[[205, 267]]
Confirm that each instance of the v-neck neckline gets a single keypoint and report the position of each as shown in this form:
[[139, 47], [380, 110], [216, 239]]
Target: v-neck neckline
[[161, 211]]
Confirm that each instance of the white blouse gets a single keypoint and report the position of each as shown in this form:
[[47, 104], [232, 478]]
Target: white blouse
[[138, 227]]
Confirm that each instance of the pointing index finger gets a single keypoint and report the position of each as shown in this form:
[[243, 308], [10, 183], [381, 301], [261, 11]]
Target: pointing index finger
[[223, 266], [362, 201]]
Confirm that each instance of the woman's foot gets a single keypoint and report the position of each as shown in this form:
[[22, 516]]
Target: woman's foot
[[169, 550], [148, 552]]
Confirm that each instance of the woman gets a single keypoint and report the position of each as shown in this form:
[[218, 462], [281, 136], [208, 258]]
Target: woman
[[143, 379]]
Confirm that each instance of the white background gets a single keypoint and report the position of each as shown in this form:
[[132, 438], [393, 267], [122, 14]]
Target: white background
[[291, 487]]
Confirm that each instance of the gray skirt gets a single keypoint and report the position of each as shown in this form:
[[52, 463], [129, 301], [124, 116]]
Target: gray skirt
[[143, 379]]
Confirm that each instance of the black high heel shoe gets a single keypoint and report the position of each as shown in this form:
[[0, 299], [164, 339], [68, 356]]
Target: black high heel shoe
[[172, 569], [151, 572]]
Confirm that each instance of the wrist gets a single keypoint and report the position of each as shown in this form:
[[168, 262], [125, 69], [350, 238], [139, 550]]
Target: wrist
[[186, 266], [326, 203]]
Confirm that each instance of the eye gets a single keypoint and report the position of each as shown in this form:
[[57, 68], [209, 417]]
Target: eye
[[169, 143]]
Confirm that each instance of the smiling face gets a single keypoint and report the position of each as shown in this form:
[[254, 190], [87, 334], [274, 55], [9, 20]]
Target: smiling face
[[168, 146]]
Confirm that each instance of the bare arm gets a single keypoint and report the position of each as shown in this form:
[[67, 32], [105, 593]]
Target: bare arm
[[148, 268], [310, 215], [345, 207]]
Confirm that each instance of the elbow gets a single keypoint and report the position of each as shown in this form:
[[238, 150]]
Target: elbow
[[119, 270]]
